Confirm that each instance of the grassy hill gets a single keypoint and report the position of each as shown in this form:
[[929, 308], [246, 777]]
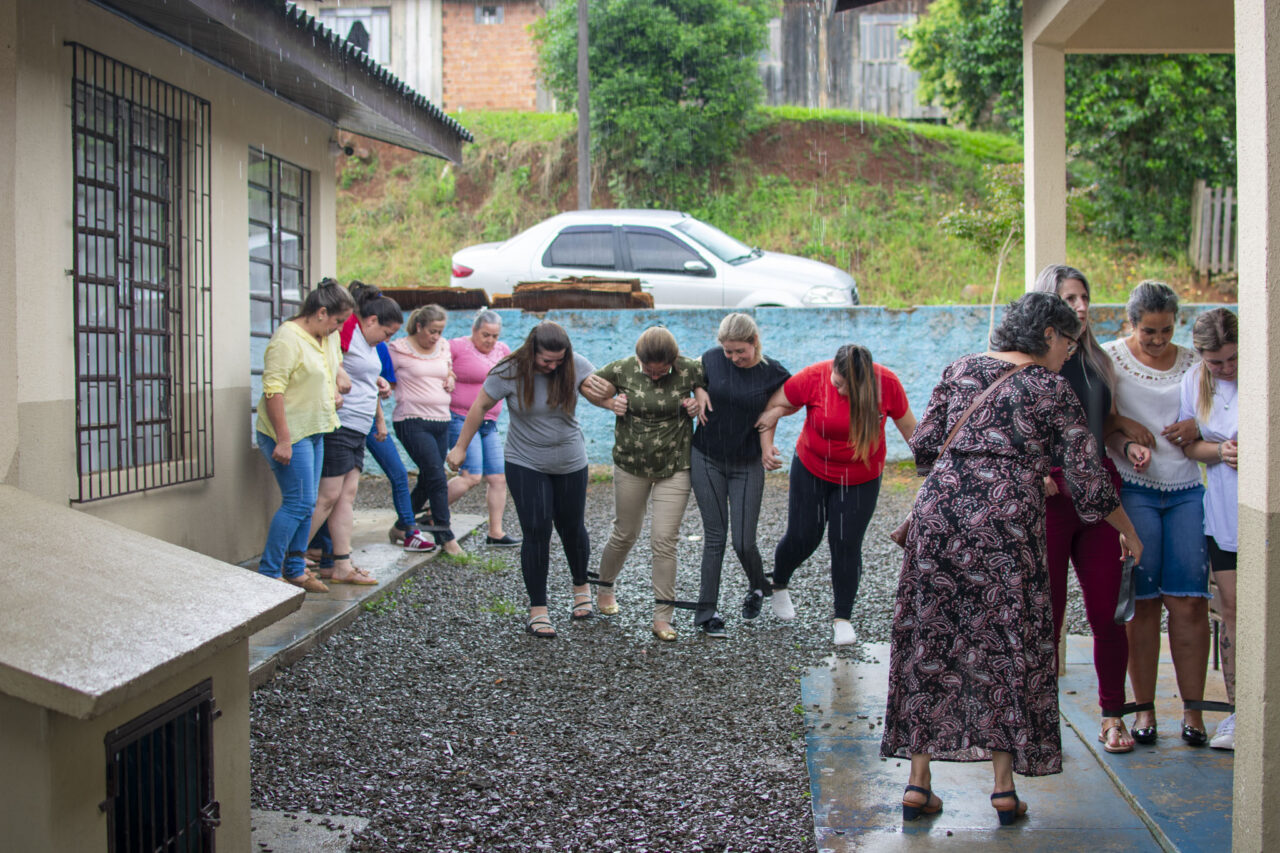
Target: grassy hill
[[856, 191]]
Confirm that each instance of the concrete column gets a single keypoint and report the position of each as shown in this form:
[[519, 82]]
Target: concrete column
[[1044, 156], [1255, 826], [8, 243]]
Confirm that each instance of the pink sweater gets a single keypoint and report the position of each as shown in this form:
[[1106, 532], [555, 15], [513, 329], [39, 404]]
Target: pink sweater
[[471, 367], [420, 381]]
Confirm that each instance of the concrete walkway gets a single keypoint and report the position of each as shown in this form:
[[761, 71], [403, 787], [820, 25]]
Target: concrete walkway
[[1169, 796], [324, 614]]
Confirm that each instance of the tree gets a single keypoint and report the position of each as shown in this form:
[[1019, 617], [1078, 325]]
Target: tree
[[672, 81], [1142, 128]]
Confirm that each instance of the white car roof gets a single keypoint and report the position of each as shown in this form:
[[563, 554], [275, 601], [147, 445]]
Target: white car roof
[[623, 216]]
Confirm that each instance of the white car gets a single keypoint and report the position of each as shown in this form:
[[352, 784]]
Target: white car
[[683, 262]]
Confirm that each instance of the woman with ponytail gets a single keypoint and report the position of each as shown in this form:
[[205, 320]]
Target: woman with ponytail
[[835, 475], [1209, 394]]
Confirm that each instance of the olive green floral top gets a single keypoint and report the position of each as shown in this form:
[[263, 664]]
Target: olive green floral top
[[653, 438]]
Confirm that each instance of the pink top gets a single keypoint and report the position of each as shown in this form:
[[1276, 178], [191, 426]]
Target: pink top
[[471, 367], [420, 381]]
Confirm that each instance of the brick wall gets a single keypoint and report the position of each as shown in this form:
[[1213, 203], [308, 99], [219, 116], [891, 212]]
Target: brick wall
[[489, 66]]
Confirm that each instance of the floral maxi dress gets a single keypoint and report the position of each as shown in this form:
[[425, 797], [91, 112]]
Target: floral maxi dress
[[973, 666]]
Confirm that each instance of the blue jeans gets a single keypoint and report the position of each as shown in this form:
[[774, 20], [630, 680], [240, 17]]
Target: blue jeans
[[1171, 527], [388, 459], [484, 453], [424, 441], [299, 482]]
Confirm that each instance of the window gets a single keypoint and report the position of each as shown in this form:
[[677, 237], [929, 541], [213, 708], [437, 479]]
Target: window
[[160, 777], [279, 250], [488, 14], [653, 251], [367, 28], [582, 246], [144, 389]]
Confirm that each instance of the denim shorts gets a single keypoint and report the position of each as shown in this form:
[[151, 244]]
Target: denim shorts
[[1171, 527], [343, 451], [484, 453]]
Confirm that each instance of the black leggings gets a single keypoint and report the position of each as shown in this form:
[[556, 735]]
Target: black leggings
[[543, 501], [814, 503]]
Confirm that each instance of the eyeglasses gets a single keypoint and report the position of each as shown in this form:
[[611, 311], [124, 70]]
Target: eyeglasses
[[1073, 346]]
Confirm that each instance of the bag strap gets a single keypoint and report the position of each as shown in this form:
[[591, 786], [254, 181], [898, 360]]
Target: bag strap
[[978, 402]]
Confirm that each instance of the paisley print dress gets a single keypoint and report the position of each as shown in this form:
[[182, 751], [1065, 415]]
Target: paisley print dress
[[972, 666]]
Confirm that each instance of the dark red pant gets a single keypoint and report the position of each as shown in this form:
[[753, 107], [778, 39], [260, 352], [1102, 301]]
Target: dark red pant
[[1094, 549]]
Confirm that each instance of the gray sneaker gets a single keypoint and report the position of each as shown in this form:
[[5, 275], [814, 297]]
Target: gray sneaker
[[1225, 736]]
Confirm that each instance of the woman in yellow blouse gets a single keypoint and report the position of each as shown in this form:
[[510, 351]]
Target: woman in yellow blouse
[[300, 396]]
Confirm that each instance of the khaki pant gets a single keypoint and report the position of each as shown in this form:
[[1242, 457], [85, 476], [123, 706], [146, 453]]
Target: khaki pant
[[670, 496]]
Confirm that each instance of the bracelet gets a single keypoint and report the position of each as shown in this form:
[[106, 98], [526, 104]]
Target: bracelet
[[1219, 451], [1125, 450]]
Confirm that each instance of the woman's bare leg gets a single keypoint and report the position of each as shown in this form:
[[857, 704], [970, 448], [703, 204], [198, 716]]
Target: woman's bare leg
[[1144, 656]]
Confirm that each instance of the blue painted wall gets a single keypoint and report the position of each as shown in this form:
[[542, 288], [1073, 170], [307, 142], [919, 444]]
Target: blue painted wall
[[916, 344]]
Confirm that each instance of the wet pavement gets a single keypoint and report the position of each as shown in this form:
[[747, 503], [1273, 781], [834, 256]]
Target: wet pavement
[[1168, 796]]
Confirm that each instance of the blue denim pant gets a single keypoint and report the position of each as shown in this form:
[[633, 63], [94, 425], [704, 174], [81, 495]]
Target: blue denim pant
[[484, 453], [1171, 527], [424, 441], [299, 481]]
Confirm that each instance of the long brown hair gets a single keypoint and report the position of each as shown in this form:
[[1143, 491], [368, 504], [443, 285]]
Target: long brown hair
[[562, 383], [1212, 331], [1050, 280], [854, 363]]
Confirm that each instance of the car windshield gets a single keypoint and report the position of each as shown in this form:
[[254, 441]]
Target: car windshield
[[716, 241]]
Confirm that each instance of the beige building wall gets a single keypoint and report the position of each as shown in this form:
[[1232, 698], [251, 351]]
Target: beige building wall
[[55, 766], [225, 517]]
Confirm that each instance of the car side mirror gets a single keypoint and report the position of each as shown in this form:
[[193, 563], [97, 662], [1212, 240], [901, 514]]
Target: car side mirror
[[697, 268]]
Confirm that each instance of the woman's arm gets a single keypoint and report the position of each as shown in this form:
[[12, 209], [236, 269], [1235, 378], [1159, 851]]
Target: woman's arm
[[777, 408], [598, 390], [1117, 422], [343, 381], [1137, 454], [280, 425], [1212, 452], [906, 425], [1130, 544], [475, 416], [379, 423]]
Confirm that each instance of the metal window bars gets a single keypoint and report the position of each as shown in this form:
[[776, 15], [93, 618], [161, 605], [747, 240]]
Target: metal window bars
[[142, 274], [279, 252], [160, 777]]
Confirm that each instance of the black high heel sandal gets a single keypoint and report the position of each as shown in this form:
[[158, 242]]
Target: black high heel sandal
[[1198, 737], [1145, 734], [910, 811], [1008, 816]]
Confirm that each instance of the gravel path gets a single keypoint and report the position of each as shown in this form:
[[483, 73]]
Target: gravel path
[[440, 720]]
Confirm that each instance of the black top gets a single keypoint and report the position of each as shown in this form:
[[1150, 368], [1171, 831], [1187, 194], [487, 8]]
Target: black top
[[738, 397], [1093, 393]]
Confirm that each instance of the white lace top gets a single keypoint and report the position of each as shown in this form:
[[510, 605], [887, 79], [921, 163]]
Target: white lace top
[[1152, 398]]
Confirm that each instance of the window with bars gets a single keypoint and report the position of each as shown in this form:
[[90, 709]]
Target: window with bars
[[141, 270], [160, 777], [279, 249]]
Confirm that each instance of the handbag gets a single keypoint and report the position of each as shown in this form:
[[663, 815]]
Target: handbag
[[899, 533], [1128, 592]]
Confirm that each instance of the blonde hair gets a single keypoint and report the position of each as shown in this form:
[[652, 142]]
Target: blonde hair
[[741, 328], [426, 315], [1212, 331], [854, 363], [656, 345]]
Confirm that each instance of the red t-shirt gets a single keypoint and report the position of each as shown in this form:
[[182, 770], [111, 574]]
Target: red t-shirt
[[824, 447]]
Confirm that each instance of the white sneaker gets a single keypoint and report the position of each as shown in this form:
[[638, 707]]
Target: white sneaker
[[781, 603], [842, 633], [1225, 736]]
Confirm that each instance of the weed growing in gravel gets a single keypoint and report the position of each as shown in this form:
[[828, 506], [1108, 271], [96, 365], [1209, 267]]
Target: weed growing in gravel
[[600, 474], [385, 604], [501, 606], [488, 565]]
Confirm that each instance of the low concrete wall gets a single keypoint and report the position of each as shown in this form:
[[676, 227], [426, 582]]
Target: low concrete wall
[[916, 344]]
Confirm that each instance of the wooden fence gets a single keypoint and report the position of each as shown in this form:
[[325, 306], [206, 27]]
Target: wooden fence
[[1213, 244]]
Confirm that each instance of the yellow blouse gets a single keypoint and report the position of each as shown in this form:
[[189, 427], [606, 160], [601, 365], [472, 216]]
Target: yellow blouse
[[304, 370]]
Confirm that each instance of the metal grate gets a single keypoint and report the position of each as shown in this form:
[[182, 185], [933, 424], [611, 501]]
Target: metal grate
[[142, 272], [160, 778], [279, 252]]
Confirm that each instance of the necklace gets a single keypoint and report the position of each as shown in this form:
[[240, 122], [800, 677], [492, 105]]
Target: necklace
[[1235, 392]]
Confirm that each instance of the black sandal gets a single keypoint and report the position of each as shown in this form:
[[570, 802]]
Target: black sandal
[[581, 609], [1140, 734], [540, 627], [911, 811], [1008, 816]]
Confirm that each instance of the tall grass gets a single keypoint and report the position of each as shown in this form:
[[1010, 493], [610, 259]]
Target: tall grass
[[399, 226]]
